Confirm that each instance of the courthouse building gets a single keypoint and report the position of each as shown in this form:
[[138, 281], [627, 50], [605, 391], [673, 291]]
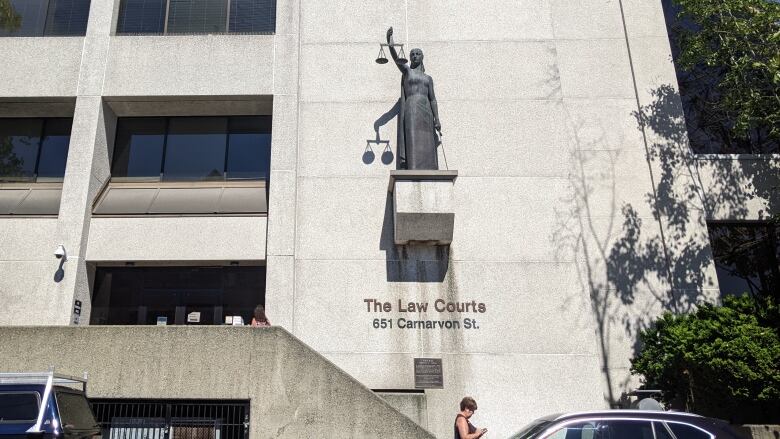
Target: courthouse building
[[167, 165]]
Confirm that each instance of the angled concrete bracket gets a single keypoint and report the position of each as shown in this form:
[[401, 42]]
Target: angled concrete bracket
[[423, 206]]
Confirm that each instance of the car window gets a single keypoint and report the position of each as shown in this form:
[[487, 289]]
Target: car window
[[630, 429], [661, 432], [75, 411], [579, 430], [685, 431], [531, 429], [18, 406]]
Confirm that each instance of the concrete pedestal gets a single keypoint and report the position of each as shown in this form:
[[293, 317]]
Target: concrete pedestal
[[423, 206]]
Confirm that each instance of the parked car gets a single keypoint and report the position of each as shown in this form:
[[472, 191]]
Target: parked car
[[43, 406], [627, 424]]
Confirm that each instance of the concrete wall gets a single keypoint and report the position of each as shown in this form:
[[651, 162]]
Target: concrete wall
[[575, 225], [293, 391]]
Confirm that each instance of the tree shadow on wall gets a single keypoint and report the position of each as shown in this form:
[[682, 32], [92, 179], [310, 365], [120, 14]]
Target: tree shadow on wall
[[638, 259]]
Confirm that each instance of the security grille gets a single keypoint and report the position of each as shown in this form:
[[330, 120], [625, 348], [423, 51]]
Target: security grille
[[172, 419]]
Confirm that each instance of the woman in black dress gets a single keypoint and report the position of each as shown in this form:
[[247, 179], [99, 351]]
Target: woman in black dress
[[464, 429]]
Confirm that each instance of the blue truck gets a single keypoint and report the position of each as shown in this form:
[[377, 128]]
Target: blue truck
[[45, 405]]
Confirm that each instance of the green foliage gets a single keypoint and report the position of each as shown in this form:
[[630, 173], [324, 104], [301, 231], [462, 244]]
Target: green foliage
[[734, 45], [720, 361], [9, 19]]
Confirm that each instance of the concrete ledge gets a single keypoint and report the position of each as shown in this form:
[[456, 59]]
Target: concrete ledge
[[758, 431], [423, 206], [294, 392]]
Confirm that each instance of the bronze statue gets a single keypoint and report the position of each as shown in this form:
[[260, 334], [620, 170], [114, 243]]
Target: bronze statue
[[418, 119]]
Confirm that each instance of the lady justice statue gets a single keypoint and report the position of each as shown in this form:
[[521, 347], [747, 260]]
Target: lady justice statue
[[419, 116]]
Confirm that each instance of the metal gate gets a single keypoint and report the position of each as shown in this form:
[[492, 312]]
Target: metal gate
[[171, 419]]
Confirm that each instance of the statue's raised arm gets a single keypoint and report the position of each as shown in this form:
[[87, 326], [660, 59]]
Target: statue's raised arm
[[391, 46]]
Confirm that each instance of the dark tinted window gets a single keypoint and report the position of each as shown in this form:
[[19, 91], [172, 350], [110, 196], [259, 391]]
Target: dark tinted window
[[18, 406], [249, 148], [193, 148], [257, 16], [684, 431], [142, 16], [630, 430], [28, 18], [139, 145], [67, 17], [54, 149], [33, 148], [197, 16], [746, 257], [196, 148], [74, 410]]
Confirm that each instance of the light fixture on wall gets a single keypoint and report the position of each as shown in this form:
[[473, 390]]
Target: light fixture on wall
[[60, 253]]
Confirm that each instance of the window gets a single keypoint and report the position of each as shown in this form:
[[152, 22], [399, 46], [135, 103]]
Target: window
[[661, 432], [197, 16], [630, 430], [74, 410], [193, 148], [36, 18], [176, 295], [579, 430], [34, 149], [685, 431], [746, 257], [18, 406]]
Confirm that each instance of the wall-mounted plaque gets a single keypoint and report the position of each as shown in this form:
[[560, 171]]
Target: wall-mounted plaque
[[193, 317], [428, 373]]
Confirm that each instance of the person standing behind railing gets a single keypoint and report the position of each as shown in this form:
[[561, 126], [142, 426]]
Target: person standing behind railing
[[260, 319]]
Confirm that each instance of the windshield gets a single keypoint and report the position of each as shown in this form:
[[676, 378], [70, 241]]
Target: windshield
[[18, 406], [530, 430]]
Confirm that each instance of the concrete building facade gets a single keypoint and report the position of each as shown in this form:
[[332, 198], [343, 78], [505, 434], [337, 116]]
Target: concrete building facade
[[580, 213]]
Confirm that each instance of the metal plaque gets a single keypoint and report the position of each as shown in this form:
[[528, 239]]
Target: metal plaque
[[428, 373]]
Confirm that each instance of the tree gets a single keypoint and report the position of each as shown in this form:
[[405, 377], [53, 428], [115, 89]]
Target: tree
[[728, 53], [719, 361], [9, 19]]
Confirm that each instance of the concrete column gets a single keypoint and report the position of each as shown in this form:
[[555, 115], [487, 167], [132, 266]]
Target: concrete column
[[280, 277], [86, 171]]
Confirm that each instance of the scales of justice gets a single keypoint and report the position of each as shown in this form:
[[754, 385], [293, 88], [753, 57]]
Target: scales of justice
[[423, 195]]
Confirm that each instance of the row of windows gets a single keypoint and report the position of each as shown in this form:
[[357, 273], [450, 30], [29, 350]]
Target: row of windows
[[31, 18], [159, 148], [196, 16]]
